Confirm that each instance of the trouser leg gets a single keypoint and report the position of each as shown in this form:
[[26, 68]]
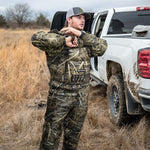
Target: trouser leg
[[56, 111], [74, 121], [51, 136]]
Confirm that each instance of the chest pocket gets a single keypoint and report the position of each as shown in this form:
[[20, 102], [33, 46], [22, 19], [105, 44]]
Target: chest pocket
[[76, 71]]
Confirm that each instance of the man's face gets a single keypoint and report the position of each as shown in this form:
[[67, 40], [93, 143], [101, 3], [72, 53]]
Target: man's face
[[77, 22]]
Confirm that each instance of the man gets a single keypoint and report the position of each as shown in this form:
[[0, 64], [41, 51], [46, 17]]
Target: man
[[68, 58]]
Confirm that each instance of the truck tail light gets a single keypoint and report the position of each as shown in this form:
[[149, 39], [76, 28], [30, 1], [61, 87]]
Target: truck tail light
[[144, 63], [142, 8]]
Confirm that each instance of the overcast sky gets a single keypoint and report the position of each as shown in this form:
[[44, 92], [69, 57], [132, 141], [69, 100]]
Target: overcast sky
[[51, 6]]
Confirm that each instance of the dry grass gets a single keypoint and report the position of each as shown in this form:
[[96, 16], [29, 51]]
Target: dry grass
[[22, 67], [24, 80]]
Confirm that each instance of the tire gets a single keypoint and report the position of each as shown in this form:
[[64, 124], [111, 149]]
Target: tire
[[116, 100]]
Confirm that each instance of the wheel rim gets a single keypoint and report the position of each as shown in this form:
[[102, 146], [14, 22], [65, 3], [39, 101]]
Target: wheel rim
[[114, 101]]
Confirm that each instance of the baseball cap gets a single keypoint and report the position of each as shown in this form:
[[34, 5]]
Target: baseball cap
[[75, 11]]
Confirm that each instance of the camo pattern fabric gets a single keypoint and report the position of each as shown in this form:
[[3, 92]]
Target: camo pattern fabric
[[51, 43], [69, 66], [67, 101], [65, 110]]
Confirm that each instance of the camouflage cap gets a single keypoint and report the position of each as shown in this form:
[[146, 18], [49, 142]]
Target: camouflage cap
[[75, 11]]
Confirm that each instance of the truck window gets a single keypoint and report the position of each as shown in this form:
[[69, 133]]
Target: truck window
[[124, 22], [99, 25]]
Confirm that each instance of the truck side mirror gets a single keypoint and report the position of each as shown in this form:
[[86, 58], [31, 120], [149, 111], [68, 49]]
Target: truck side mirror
[[141, 31]]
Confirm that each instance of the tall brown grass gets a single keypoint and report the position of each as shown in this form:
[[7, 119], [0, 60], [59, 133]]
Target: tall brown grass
[[23, 71], [24, 80]]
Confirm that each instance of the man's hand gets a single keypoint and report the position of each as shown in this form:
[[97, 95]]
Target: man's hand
[[71, 43], [70, 30]]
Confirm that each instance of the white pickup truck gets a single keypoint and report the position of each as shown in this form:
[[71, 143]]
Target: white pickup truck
[[125, 66]]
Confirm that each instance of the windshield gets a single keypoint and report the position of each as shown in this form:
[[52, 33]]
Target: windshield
[[124, 22]]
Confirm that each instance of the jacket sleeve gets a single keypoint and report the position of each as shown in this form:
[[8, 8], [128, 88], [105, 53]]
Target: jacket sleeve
[[96, 45], [51, 43]]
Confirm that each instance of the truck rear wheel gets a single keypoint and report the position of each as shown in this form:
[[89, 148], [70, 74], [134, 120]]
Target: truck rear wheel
[[116, 99]]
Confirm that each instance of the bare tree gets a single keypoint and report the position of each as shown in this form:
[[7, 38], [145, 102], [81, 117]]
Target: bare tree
[[19, 14]]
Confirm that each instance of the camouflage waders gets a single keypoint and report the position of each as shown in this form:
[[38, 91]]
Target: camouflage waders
[[65, 109], [67, 101]]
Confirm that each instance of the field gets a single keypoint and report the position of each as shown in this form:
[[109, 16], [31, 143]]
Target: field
[[24, 81]]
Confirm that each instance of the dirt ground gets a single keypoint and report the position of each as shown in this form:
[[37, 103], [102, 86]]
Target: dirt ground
[[21, 127]]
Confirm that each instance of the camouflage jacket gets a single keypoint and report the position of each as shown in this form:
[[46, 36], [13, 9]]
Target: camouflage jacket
[[69, 67]]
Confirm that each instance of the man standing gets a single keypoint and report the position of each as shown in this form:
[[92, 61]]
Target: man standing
[[68, 58]]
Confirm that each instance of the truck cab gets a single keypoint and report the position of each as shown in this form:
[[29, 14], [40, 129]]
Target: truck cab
[[126, 31]]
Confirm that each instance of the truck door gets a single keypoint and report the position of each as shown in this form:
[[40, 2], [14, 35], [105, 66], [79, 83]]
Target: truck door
[[59, 21], [96, 62]]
